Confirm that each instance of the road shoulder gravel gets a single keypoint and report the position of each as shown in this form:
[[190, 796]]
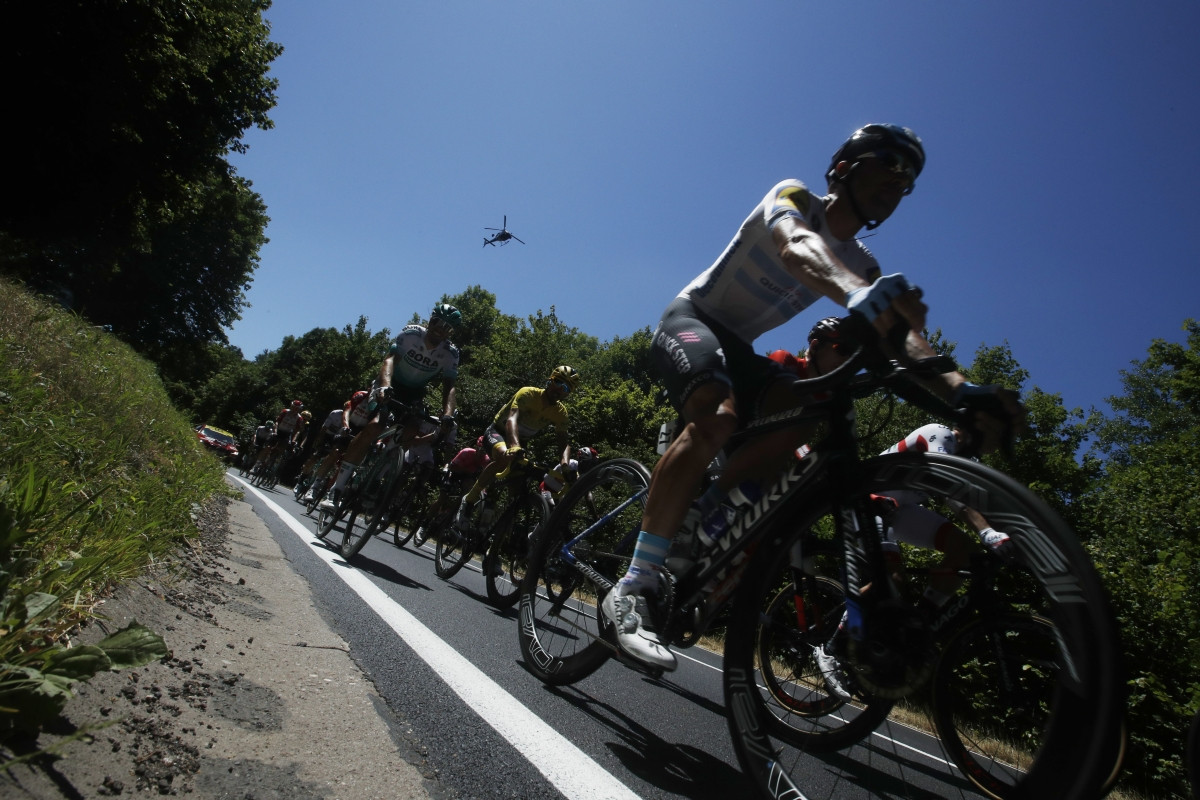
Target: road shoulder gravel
[[258, 698]]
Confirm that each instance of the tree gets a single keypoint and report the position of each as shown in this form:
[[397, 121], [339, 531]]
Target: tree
[[1143, 526], [519, 353], [121, 197]]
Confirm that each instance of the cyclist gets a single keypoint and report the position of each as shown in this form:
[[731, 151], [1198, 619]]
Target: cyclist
[[470, 460], [530, 411], [288, 423], [554, 482], [420, 354], [264, 436], [794, 248], [331, 427]]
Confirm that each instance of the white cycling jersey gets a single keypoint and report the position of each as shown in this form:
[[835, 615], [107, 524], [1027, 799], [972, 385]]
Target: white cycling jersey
[[931, 438], [414, 365], [333, 422], [912, 522], [421, 453], [749, 290]]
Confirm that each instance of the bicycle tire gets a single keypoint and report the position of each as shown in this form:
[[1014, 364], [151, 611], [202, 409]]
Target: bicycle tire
[[1025, 691], [560, 630], [327, 520], [802, 710], [1053, 577], [436, 521], [504, 566], [404, 529], [452, 552], [378, 487], [373, 495]]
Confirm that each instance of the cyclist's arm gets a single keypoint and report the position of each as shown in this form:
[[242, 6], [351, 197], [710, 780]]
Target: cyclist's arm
[[385, 370], [809, 260], [449, 397], [511, 429], [564, 446]]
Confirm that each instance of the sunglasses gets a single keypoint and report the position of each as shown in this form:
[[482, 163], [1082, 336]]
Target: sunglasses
[[441, 325], [896, 163], [566, 387]]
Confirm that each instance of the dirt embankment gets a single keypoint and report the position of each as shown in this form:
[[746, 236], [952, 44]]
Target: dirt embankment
[[258, 698]]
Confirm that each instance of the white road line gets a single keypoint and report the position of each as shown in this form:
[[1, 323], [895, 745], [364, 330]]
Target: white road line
[[571, 770]]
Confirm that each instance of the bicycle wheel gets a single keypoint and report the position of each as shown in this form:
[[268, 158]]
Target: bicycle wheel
[[995, 695], [407, 509], [377, 490], [560, 630], [1071, 756], [436, 519], [504, 566], [803, 711], [453, 550], [347, 513]]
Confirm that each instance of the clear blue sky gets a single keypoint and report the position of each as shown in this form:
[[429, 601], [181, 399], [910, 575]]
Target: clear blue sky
[[626, 141]]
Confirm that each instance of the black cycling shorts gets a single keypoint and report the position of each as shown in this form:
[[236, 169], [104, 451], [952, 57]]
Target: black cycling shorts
[[407, 395], [690, 350], [491, 438]]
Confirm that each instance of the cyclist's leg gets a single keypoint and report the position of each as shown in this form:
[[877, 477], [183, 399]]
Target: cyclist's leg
[[497, 449], [357, 450], [692, 356]]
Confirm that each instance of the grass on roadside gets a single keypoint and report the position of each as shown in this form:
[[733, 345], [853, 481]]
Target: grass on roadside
[[99, 474]]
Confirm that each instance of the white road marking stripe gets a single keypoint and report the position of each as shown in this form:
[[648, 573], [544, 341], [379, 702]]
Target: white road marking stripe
[[568, 768]]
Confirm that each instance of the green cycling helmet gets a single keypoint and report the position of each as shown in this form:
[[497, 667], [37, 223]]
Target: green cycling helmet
[[447, 314]]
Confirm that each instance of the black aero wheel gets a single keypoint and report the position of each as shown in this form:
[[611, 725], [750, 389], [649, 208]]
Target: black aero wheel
[[596, 524], [504, 566], [1052, 692], [997, 696]]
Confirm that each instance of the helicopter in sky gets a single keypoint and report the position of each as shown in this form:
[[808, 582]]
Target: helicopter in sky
[[501, 237]]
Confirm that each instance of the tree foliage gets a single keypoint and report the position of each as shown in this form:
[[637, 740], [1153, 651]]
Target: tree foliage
[[1142, 520], [121, 199]]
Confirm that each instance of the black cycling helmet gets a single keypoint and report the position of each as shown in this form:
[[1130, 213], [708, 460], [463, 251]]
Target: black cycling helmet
[[874, 138], [828, 330]]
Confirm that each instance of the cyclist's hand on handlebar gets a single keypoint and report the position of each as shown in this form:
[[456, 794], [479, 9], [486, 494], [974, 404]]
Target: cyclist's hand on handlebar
[[994, 415], [885, 301]]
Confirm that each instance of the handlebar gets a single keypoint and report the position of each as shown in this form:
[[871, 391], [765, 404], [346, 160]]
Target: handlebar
[[869, 368]]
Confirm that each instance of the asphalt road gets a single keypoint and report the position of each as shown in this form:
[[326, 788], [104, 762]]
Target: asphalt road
[[449, 666]]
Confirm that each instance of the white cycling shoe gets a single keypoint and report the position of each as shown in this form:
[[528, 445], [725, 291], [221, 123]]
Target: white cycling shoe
[[833, 673], [625, 613]]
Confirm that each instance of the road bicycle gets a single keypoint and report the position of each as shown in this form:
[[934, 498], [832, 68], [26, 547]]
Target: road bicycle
[[412, 501], [501, 526], [1047, 621], [266, 474], [371, 491], [438, 516]]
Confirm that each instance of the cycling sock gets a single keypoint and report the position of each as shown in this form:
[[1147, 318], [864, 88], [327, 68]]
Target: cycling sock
[[648, 557], [344, 475]]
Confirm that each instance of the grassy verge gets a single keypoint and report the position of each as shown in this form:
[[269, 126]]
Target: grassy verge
[[99, 476]]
